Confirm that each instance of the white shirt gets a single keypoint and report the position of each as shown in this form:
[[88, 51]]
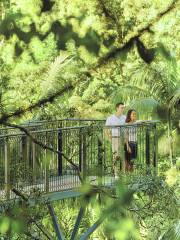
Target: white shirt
[[131, 131], [114, 121]]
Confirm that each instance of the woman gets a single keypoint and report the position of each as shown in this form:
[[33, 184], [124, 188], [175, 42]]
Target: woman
[[130, 140]]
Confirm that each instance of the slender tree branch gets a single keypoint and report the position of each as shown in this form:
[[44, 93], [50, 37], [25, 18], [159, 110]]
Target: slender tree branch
[[48, 99]]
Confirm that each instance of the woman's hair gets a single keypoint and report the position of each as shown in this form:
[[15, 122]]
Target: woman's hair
[[128, 116]]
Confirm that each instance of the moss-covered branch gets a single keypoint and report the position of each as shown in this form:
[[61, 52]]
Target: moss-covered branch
[[128, 42]]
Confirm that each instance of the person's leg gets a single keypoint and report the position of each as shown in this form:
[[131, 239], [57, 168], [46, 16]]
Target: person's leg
[[131, 166], [127, 159], [116, 155], [133, 155]]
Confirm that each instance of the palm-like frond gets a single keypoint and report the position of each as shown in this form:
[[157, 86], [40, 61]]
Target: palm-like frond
[[54, 69], [144, 106], [135, 90], [55, 66], [128, 92], [159, 79], [173, 233], [139, 74], [175, 99]]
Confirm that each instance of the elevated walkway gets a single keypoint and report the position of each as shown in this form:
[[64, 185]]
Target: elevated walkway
[[55, 157]]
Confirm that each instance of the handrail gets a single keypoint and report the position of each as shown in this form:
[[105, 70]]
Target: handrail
[[33, 123], [45, 131], [20, 133]]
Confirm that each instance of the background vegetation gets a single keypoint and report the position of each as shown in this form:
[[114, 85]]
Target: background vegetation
[[61, 58]]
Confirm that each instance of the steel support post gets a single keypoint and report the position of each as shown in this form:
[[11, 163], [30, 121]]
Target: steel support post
[[147, 149], [82, 153], [46, 166], [7, 169], [100, 161], [60, 158]]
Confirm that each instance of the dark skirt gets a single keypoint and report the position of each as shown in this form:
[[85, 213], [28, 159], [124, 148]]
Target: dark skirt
[[133, 154]]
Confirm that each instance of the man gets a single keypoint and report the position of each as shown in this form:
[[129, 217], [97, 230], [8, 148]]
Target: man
[[113, 132]]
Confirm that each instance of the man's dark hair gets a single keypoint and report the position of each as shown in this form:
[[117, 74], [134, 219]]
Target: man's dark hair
[[119, 103]]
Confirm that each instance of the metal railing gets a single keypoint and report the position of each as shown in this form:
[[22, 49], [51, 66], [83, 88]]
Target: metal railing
[[52, 124], [97, 153]]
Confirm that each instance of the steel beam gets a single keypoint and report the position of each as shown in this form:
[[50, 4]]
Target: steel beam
[[55, 222], [78, 221], [91, 229]]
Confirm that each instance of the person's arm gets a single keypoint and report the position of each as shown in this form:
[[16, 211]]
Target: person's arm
[[128, 147], [108, 132]]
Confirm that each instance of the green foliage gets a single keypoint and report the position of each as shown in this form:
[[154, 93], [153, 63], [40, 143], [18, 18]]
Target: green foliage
[[85, 31], [110, 51]]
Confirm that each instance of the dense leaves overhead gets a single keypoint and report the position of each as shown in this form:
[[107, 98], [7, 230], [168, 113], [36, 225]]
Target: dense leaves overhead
[[118, 46]]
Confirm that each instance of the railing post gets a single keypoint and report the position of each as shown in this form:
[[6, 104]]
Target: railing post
[[121, 148], [7, 169], [34, 161], [147, 149], [60, 159], [46, 167], [80, 149], [100, 161], [155, 155], [28, 156], [82, 152], [23, 148]]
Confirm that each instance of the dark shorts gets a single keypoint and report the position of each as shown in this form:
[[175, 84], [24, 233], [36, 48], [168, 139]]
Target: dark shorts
[[133, 154]]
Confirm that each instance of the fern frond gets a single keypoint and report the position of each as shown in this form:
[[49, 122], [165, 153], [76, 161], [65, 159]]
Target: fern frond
[[54, 69]]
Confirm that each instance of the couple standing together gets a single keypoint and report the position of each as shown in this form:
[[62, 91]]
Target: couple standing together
[[125, 135]]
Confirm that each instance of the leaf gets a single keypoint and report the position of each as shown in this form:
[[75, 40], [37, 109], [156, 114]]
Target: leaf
[[164, 52], [173, 233], [176, 99], [123, 55], [142, 104], [4, 225], [50, 78]]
